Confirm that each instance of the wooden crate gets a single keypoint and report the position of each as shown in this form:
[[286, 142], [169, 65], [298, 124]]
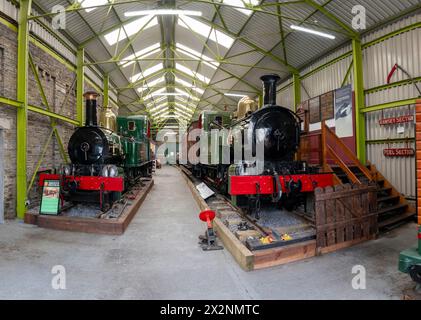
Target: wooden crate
[[345, 215]]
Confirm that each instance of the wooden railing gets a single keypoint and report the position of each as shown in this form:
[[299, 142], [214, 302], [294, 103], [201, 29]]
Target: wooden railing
[[328, 136]]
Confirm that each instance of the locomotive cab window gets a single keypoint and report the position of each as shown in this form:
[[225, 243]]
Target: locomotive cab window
[[131, 126], [216, 123]]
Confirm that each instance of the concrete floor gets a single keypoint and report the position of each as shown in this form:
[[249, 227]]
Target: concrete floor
[[158, 258]]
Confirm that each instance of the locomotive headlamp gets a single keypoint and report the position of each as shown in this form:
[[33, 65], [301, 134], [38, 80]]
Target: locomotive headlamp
[[105, 172], [67, 170], [113, 171]]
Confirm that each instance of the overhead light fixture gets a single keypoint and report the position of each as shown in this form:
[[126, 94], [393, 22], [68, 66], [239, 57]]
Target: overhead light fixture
[[162, 12], [237, 95], [317, 33]]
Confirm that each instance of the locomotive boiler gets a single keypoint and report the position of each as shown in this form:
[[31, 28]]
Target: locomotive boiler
[[276, 177]]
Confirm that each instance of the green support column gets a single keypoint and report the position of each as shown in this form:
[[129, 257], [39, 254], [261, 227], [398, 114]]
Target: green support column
[[80, 71], [359, 99], [297, 90], [260, 101], [106, 93], [22, 112]]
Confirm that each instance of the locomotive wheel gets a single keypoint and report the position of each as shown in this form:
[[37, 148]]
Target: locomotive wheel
[[415, 273]]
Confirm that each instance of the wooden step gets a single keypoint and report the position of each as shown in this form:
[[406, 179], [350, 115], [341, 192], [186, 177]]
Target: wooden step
[[392, 208], [396, 219], [388, 198], [384, 189]]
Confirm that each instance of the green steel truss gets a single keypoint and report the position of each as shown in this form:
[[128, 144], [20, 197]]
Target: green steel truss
[[25, 61]]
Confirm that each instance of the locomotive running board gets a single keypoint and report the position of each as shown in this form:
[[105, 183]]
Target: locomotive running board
[[89, 225]]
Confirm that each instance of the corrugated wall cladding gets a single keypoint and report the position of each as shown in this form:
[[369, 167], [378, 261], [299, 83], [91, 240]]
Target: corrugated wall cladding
[[393, 94], [375, 131], [9, 9], [380, 58], [285, 98], [399, 171], [326, 80], [66, 49]]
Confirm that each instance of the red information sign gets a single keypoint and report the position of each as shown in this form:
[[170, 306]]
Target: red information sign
[[396, 120], [399, 152]]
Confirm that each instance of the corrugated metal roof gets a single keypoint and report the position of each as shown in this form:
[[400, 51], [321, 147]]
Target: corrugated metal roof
[[255, 34]]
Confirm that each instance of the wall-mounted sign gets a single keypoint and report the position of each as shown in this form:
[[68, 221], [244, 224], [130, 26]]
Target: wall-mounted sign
[[327, 105], [314, 106], [50, 200], [396, 120], [399, 152], [343, 112]]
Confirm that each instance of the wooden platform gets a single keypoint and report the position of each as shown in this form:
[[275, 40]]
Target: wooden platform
[[92, 225]]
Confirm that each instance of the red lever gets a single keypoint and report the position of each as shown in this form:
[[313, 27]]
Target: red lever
[[389, 77], [207, 216]]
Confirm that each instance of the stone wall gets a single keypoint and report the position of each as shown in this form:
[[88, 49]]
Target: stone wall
[[8, 46], [59, 86]]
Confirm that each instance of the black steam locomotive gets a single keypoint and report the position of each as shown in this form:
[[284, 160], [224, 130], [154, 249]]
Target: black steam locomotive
[[274, 131], [101, 161]]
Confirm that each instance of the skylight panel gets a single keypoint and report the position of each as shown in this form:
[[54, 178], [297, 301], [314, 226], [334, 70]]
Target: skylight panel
[[242, 3], [91, 3], [146, 72], [189, 72], [206, 31], [131, 28], [150, 95], [189, 85], [160, 112], [151, 84], [184, 93], [141, 54], [197, 55], [184, 107], [159, 106], [181, 112]]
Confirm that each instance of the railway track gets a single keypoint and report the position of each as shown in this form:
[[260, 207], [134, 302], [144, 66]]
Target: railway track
[[248, 229]]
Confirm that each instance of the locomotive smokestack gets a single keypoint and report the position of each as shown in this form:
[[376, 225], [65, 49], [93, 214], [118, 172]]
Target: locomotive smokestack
[[91, 105], [269, 89]]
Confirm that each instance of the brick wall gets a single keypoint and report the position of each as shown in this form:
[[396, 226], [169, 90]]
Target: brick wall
[[58, 83], [418, 140]]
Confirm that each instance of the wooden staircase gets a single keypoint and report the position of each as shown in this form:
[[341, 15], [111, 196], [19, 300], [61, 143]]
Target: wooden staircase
[[393, 208]]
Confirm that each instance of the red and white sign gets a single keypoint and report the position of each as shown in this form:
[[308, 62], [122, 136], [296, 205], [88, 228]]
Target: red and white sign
[[399, 152], [396, 120]]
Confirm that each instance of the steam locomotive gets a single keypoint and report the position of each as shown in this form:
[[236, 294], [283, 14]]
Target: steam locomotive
[[279, 178], [104, 163]]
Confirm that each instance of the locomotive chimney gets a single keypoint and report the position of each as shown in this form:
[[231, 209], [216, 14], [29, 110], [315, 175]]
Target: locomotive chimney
[[269, 89], [91, 105]]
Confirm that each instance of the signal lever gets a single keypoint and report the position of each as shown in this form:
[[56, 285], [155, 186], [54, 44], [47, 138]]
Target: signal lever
[[208, 241]]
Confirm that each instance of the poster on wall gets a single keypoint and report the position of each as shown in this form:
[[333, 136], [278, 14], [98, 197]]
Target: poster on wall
[[343, 112], [314, 107], [302, 112], [326, 102]]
